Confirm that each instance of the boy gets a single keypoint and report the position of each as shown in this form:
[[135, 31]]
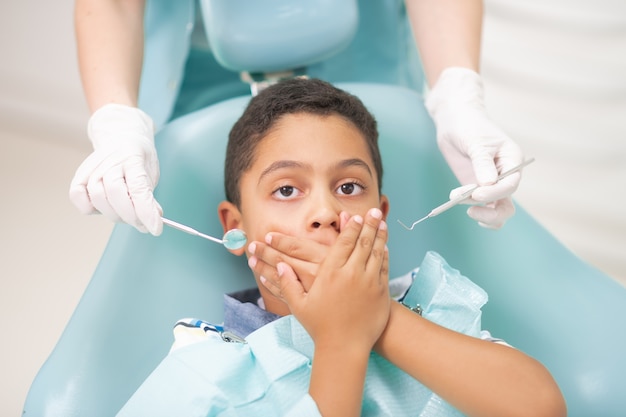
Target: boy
[[303, 168]]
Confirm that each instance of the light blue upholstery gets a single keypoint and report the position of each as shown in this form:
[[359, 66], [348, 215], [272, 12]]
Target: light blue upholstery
[[255, 41], [543, 299]]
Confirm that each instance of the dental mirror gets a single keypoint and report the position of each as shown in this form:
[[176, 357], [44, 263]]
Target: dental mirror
[[232, 239]]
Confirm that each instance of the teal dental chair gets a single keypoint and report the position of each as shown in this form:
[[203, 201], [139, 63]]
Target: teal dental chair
[[543, 299]]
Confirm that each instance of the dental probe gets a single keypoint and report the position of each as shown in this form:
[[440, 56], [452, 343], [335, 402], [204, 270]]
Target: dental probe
[[458, 199], [232, 239]]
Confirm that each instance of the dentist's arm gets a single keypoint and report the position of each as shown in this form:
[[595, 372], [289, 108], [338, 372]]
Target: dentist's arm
[[119, 177], [109, 37], [448, 36], [447, 33]]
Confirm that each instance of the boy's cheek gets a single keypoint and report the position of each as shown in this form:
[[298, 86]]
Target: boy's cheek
[[259, 232]]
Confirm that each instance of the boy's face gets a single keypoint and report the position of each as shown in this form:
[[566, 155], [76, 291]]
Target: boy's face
[[306, 171]]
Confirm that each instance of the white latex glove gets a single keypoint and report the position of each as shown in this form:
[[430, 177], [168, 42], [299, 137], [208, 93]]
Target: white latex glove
[[476, 150], [118, 178]]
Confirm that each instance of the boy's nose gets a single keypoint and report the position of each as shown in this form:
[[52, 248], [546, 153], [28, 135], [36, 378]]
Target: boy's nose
[[324, 222], [324, 213]]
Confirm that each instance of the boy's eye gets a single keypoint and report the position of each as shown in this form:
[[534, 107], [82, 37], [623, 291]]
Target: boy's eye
[[285, 192], [350, 188]]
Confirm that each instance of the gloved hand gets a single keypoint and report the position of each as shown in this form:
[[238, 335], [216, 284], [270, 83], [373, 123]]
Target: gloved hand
[[476, 150], [118, 178]]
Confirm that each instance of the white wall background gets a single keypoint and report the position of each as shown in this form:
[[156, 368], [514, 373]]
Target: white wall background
[[555, 74], [48, 251]]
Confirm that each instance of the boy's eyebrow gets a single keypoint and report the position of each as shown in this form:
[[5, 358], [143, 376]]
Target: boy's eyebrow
[[354, 161], [275, 166]]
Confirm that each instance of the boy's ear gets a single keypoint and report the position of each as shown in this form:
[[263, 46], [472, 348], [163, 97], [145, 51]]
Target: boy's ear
[[384, 206], [230, 218]]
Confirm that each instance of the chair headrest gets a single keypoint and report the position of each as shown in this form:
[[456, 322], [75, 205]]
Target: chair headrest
[[277, 35]]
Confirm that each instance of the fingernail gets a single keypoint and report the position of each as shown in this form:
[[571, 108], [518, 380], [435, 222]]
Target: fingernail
[[263, 279], [280, 268], [252, 261], [252, 248], [382, 225], [376, 213], [268, 239], [358, 219]]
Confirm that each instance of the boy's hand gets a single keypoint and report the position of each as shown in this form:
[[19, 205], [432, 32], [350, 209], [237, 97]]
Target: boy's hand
[[303, 255], [348, 302]]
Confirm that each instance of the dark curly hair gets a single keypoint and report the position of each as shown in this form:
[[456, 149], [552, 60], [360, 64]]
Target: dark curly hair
[[296, 95]]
